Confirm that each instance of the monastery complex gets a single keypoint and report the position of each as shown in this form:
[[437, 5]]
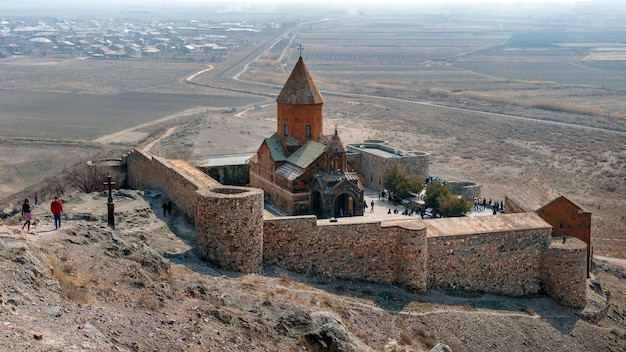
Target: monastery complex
[[541, 244]]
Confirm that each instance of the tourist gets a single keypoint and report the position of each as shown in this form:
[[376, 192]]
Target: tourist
[[56, 207], [372, 204], [389, 211], [164, 206], [26, 215]]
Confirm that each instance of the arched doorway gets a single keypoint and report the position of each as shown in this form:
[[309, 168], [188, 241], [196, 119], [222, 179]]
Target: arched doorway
[[343, 205]]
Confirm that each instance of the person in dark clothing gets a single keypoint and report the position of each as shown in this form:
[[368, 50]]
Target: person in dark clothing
[[164, 206], [26, 215]]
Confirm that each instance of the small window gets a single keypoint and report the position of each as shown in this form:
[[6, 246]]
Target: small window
[[286, 130], [308, 131]]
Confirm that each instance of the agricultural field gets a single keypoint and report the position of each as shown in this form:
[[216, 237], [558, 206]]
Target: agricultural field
[[493, 103]]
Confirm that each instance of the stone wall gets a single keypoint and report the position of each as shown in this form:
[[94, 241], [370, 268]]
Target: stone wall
[[565, 270], [176, 179], [368, 251], [231, 232], [229, 227], [469, 190], [507, 262]]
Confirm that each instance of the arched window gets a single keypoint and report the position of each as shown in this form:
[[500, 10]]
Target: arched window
[[286, 130], [308, 131]]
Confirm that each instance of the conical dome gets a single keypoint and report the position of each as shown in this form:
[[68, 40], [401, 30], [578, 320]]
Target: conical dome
[[300, 88]]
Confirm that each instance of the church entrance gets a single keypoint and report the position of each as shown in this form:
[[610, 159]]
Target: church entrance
[[343, 205]]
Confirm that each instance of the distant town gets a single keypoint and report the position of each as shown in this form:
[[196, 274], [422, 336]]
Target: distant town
[[123, 39]]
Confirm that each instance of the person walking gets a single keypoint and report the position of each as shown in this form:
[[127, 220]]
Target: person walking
[[26, 215], [56, 207]]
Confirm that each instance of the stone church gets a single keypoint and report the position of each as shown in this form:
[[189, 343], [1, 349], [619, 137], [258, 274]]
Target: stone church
[[301, 170]]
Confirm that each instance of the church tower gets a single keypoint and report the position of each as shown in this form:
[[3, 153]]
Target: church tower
[[299, 108]]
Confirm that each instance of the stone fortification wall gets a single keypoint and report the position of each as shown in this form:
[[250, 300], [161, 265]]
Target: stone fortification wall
[[361, 251], [229, 227], [499, 262], [176, 179], [469, 190], [514, 257], [565, 270]]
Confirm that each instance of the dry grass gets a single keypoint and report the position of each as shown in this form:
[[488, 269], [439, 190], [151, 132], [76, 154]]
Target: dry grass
[[64, 274], [543, 104]]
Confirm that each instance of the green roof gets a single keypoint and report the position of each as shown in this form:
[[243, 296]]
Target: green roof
[[309, 152], [275, 149]]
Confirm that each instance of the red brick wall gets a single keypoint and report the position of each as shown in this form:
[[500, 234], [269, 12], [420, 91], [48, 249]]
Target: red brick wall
[[297, 117], [568, 219]]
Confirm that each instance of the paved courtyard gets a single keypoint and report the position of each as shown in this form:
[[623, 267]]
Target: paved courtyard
[[380, 210]]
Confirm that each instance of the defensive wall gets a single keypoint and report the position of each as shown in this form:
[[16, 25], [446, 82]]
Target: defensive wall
[[504, 254], [176, 179]]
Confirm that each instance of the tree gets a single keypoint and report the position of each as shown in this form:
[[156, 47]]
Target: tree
[[439, 197], [89, 178], [401, 184], [392, 177], [433, 191], [451, 205], [411, 185]]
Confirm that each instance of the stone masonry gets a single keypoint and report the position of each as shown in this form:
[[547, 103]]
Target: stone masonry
[[505, 254], [229, 227]]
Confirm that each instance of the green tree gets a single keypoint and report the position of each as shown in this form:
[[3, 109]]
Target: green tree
[[433, 191], [439, 197], [392, 177], [411, 185], [401, 184], [451, 205]]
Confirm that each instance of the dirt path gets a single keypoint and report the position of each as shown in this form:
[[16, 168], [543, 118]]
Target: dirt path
[[135, 135], [616, 261], [151, 144]]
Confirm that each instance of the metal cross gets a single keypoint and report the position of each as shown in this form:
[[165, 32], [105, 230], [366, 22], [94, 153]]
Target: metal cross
[[300, 48]]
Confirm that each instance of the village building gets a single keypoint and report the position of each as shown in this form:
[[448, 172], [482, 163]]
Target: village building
[[565, 216], [373, 157], [301, 170]]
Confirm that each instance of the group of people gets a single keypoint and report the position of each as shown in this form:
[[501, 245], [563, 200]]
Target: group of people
[[482, 204], [167, 208], [56, 208], [409, 211]]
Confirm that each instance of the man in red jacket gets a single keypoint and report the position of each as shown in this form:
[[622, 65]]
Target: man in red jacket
[[56, 207]]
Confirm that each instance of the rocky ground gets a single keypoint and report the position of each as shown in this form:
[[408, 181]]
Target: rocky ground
[[141, 287]]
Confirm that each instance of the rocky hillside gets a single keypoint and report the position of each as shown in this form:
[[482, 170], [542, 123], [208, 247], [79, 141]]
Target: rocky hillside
[[140, 287]]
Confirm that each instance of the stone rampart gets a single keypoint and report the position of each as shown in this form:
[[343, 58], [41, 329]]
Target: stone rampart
[[506, 254], [507, 262], [229, 227], [368, 251], [176, 179], [565, 270]]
